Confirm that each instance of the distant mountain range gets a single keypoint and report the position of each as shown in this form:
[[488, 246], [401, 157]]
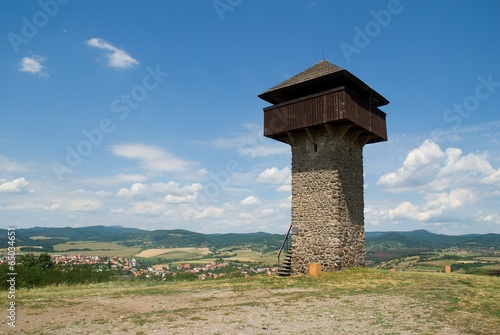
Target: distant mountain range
[[418, 239], [47, 237], [423, 239]]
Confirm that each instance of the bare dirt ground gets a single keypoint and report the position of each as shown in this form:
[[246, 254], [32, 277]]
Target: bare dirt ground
[[224, 309]]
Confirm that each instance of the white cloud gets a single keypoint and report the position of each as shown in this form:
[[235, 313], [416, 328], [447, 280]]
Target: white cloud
[[172, 188], [274, 175], [438, 186], [63, 205], [419, 166], [117, 179], [268, 211], [151, 158], [287, 187], [137, 189], [262, 150], [493, 178], [176, 199], [147, 208], [118, 58], [437, 206], [33, 65], [100, 194], [81, 205], [8, 165], [428, 168], [210, 212], [463, 170], [252, 144], [250, 201], [202, 172], [493, 218], [405, 210], [455, 199], [19, 185]]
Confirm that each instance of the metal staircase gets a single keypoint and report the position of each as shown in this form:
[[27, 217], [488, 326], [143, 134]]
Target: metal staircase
[[285, 267]]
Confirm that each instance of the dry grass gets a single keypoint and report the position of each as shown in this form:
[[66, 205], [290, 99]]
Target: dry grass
[[174, 253], [362, 301]]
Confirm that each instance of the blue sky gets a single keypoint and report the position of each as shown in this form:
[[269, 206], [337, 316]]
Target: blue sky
[[145, 114]]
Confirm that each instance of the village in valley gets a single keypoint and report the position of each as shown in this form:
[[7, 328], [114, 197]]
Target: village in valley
[[140, 268]]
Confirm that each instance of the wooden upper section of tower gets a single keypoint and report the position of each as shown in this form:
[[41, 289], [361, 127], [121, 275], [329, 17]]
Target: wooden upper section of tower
[[324, 95]]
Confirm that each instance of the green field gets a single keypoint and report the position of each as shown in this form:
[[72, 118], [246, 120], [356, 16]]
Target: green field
[[247, 255], [88, 248], [438, 260], [235, 255]]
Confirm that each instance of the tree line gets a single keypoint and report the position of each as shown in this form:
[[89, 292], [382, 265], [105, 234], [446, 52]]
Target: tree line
[[38, 271]]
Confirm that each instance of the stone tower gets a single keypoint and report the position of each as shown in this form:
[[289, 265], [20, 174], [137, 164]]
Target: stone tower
[[326, 115]]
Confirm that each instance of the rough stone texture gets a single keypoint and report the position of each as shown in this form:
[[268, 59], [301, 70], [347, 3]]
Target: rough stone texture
[[327, 200]]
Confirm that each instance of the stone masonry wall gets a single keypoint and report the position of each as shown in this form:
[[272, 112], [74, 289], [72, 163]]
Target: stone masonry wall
[[327, 201]]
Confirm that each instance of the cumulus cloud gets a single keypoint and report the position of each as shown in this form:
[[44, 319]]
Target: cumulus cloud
[[151, 158], [177, 199], [436, 205], [418, 167], [137, 189], [117, 57], [286, 187], [476, 164], [250, 201], [429, 168], [33, 65], [494, 178], [439, 186], [19, 185], [274, 175], [493, 218], [171, 187]]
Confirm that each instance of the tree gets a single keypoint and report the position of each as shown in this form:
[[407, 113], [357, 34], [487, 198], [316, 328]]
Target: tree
[[45, 261]]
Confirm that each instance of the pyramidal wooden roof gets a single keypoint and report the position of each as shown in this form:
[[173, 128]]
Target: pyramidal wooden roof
[[321, 69], [320, 77]]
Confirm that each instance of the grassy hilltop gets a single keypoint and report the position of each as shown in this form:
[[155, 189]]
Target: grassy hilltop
[[360, 301]]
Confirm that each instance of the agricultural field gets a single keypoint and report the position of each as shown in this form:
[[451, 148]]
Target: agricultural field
[[38, 238], [174, 253], [89, 248], [247, 255], [435, 262], [176, 256]]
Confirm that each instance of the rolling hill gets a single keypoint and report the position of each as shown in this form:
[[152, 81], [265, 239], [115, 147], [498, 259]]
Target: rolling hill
[[412, 240]]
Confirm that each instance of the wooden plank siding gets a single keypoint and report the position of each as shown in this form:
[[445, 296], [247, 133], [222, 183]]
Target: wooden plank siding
[[337, 106]]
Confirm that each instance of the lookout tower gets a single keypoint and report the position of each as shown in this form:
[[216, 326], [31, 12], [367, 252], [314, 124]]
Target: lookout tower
[[327, 115]]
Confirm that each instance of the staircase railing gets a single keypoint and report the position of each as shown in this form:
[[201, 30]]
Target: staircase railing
[[286, 241]]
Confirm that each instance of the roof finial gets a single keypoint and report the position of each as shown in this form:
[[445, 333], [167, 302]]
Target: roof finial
[[323, 46]]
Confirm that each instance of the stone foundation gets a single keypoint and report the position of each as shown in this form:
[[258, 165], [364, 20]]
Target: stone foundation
[[327, 200]]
